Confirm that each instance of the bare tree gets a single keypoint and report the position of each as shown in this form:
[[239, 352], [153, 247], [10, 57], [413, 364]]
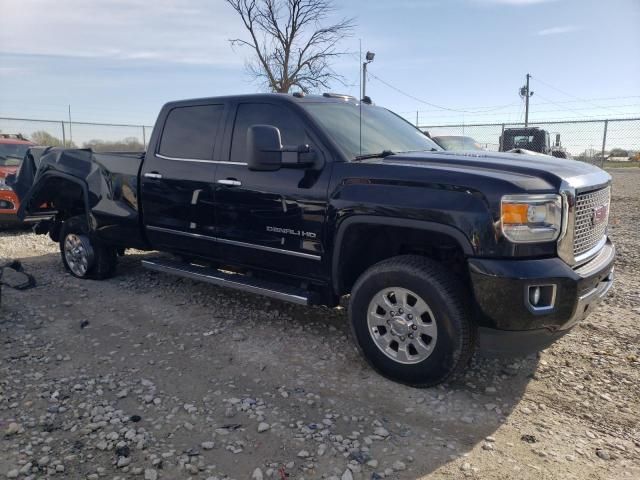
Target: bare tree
[[46, 139], [291, 46]]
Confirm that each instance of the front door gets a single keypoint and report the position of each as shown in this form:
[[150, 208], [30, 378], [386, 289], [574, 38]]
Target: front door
[[178, 181], [271, 220]]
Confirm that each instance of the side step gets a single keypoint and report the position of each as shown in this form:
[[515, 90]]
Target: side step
[[231, 280]]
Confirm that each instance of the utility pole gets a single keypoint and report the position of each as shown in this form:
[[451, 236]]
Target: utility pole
[[526, 93], [526, 112], [70, 133]]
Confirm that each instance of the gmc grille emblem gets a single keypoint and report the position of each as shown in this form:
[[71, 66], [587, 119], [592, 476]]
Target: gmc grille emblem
[[599, 215]]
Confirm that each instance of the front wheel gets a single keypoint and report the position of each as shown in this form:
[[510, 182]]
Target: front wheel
[[83, 256], [411, 321]]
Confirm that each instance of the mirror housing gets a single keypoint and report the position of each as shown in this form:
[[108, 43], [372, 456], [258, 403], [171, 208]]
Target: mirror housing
[[264, 148], [265, 151]]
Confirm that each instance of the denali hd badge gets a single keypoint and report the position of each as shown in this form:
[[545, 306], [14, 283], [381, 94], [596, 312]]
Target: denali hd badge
[[289, 231], [599, 215]]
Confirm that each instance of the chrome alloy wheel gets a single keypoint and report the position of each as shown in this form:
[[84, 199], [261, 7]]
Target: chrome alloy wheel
[[78, 253], [402, 325]]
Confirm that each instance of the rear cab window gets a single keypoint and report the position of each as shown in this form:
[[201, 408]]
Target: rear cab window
[[190, 132]]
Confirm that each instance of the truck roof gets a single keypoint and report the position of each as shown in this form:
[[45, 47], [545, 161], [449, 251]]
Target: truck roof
[[283, 97], [14, 139]]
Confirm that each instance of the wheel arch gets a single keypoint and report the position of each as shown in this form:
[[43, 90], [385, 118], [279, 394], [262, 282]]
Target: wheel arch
[[47, 189], [343, 271]]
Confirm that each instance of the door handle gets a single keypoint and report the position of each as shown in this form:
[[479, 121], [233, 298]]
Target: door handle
[[231, 182], [154, 175]]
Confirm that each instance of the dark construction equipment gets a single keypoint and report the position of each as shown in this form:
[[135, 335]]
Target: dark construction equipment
[[534, 139]]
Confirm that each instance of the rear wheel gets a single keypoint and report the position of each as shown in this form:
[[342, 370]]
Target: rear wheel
[[82, 255], [410, 320]]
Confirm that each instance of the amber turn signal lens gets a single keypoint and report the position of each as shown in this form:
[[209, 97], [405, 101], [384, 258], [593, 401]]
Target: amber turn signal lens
[[514, 213]]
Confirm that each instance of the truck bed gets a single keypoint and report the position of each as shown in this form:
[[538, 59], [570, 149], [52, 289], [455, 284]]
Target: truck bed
[[108, 181]]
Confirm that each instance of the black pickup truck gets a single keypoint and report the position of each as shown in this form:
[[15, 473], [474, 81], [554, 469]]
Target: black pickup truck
[[312, 198]]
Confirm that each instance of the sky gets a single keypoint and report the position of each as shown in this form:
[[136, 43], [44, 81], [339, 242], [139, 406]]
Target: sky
[[446, 61]]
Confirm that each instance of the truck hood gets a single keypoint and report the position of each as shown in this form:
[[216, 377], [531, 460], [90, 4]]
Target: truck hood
[[518, 168]]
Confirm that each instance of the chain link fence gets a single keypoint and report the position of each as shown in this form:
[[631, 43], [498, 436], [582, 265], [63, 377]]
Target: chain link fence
[[101, 137], [592, 141]]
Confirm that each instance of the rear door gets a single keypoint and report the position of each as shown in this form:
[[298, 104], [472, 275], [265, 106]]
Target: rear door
[[272, 220], [177, 180]]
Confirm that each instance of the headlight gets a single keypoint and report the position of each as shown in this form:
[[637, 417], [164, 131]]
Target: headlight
[[531, 218], [3, 185]]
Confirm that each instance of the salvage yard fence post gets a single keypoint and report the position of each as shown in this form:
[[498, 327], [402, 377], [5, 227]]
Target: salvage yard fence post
[[604, 140]]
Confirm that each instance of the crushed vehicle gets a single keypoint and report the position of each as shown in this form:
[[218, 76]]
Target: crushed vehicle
[[13, 148], [312, 198]]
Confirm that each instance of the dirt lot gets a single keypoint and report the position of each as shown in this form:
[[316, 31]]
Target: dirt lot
[[148, 376]]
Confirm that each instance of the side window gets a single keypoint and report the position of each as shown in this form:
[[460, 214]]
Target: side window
[[291, 128], [190, 132]]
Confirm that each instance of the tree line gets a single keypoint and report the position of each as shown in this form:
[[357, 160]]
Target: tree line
[[127, 144]]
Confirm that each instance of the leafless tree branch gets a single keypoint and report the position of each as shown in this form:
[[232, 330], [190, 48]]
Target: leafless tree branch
[[291, 46]]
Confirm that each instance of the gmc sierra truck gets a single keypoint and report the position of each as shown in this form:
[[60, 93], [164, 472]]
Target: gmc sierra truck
[[312, 198]]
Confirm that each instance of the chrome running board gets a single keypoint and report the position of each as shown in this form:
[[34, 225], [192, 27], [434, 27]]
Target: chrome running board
[[230, 280]]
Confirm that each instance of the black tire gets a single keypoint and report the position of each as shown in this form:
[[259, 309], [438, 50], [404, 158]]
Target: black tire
[[447, 299], [104, 259]]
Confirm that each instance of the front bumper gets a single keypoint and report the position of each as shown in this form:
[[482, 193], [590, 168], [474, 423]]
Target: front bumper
[[504, 314], [8, 207], [9, 219]]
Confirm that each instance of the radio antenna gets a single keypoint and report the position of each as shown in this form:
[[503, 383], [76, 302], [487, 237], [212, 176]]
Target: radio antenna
[[360, 101]]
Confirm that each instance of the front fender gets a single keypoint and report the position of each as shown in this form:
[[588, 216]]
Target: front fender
[[345, 224]]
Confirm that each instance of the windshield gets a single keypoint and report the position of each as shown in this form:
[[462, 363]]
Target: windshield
[[11, 154], [382, 130], [455, 142]]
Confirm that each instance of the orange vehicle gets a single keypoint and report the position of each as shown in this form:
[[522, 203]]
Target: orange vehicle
[[12, 151]]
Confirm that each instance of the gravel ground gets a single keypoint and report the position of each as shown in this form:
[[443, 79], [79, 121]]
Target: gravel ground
[[149, 376]]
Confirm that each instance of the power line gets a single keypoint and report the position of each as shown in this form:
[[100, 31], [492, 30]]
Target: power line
[[566, 93], [432, 104], [520, 116], [558, 105], [518, 112]]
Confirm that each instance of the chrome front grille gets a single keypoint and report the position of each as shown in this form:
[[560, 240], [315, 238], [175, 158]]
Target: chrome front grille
[[589, 229]]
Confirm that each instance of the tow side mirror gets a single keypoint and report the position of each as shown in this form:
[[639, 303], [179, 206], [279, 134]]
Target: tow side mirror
[[296, 156], [266, 153], [264, 148]]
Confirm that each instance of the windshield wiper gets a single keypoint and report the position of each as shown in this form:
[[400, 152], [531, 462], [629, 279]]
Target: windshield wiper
[[382, 154]]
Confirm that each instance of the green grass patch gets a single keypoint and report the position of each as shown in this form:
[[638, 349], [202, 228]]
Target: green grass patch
[[608, 165]]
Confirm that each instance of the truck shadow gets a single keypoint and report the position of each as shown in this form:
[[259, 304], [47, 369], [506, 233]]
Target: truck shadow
[[306, 352]]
